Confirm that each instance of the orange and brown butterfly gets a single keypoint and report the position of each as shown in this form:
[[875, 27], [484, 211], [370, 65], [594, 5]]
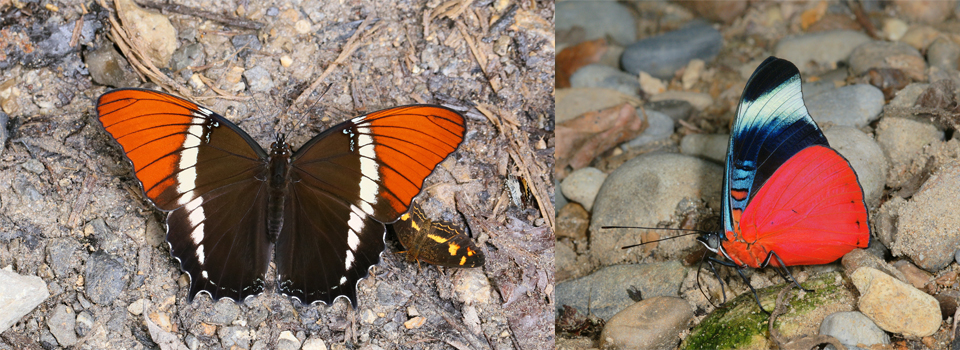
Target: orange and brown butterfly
[[436, 242]]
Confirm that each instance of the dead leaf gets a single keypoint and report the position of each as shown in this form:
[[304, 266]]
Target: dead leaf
[[572, 58], [583, 138]]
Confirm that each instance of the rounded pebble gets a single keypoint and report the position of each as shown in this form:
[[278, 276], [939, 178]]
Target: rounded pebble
[[287, 341], [675, 109], [572, 103], [652, 324], [866, 157], [920, 36], [852, 328], [894, 28], [258, 78], [582, 185], [108, 67], [882, 54], [907, 96], [709, 146], [699, 100], [572, 221], [814, 51], [660, 127], [601, 76], [153, 29], [854, 105], [645, 191], [931, 12], [903, 140], [927, 228], [63, 324], [944, 54], [314, 344], [598, 19], [663, 55], [604, 292], [916, 313]]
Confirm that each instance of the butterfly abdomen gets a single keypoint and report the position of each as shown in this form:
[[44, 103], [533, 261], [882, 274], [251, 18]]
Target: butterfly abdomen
[[279, 182]]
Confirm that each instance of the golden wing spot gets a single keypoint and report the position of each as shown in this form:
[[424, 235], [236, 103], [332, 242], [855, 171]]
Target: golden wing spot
[[414, 225], [438, 239], [470, 252], [453, 249], [463, 260]]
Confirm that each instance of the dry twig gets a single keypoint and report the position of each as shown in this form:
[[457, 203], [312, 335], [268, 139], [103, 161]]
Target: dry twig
[[348, 49]]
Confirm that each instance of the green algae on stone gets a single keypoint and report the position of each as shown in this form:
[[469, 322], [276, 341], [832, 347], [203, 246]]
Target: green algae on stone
[[741, 324]]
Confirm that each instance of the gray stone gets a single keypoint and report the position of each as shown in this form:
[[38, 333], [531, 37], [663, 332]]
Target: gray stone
[[927, 228], [186, 56], [597, 19], [314, 343], [907, 96], [108, 67], [602, 76], [604, 292], [224, 312], [33, 166], [582, 185], [709, 146], [866, 157], [62, 324], [258, 79], [287, 341], [559, 199], [944, 54], [4, 134], [63, 255], [645, 191], [854, 105], [661, 56], [675, 109], [903, 140], [104, 278], [18, 296], [815, 51], [660, 128], [84, 323], [652, 324], [234, 336], [882, 54], [248, 41]]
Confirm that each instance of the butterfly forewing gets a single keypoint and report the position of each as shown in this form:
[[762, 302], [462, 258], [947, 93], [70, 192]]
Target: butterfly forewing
[[772, 125]]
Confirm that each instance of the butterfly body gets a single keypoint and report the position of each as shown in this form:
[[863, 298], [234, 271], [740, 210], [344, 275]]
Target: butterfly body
[[320, 210], [788, 197]]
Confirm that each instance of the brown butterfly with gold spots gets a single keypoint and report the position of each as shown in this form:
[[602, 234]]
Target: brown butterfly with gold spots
[[439, 243]]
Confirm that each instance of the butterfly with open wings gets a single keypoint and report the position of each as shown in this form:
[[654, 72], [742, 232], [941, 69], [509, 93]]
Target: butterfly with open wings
[[231, 203]]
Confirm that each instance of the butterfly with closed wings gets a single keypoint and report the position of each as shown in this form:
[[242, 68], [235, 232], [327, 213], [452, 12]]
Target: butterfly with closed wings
[[230, 203]]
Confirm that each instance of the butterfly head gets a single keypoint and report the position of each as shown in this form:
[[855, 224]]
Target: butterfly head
[[280, 147], [711, 240]]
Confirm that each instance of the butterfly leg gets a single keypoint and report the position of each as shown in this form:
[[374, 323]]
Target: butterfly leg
[[783, 271], [723, 292]]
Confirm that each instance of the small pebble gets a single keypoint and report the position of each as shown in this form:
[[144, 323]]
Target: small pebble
[[84, 323], [944, 54], [224, 312], [675, 109], [604, 292], [709, 146], [314, 343], [664, 54], [286, 61], [650, 85], [882, 54], [894, 28], [660, 128], [108, 67], [916, 313], [153, 29], [902, 140], [138, 307], [907, 96], [930, 12], [573, 221], [601, 76], [287, 341], [920, 36], [597, 19], [653, 323], [854, 105], [104, 278], [258, 79], [815, 52], [926, 231], [63, 324], [582, 185], [415, 322], [699, 100], [572, 103], [235, 337], [246, 41], [853, 328], [691, 75]]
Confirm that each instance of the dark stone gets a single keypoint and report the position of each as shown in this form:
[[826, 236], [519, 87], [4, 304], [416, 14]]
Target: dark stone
[[661, 56], [675, 109], [104, 277], [186, 56], [248, 41], [224, 312], [63, 256]]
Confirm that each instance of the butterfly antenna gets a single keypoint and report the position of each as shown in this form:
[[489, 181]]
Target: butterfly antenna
[[689, 232]]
